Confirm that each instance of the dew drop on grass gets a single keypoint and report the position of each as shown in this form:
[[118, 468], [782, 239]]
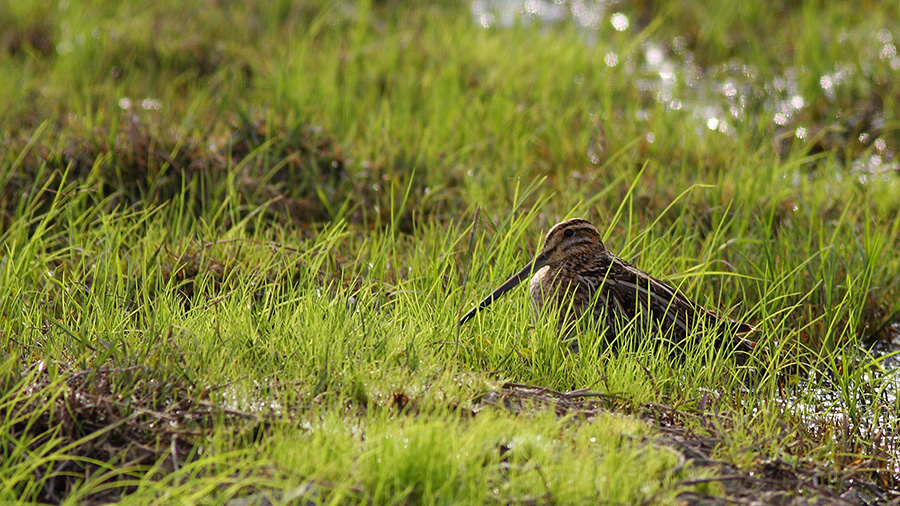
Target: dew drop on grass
[[729, 89], [593, 155], [654, 54], [151, 104], [619, 21], [779, 83], [611, 59]]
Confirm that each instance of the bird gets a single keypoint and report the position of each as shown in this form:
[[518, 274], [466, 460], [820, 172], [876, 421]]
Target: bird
[[575, 273]]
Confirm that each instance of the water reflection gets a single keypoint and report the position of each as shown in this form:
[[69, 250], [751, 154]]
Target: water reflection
[[719, 98], [505, 13]]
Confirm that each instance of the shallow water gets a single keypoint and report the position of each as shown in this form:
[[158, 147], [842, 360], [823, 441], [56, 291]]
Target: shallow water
[[723, 97]]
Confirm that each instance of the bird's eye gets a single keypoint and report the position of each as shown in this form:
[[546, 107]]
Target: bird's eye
[[569, 232]]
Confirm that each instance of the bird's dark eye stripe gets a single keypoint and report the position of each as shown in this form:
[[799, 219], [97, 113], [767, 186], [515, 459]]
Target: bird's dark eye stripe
[[569, 232]]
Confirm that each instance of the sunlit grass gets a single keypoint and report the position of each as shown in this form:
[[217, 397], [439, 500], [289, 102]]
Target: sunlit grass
[[267, 259]]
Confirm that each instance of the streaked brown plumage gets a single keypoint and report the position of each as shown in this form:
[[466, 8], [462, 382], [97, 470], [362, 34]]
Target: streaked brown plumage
[[576, 272]]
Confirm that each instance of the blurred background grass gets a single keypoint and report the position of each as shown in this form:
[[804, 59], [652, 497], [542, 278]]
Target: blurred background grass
[[261, 194]]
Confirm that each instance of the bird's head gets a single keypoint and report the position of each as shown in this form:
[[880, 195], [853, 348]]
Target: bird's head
[[570, 239]]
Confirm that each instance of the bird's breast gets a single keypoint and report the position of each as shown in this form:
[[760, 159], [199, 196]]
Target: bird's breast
[[539, 289]]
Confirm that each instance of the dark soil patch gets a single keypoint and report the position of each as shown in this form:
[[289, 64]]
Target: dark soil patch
[[772, 480], [183, 269], [162, 421], [99, 428], [36, 37], [291, 175]]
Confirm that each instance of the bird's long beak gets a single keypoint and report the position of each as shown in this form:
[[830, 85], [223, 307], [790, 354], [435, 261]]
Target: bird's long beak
[[512, 282]]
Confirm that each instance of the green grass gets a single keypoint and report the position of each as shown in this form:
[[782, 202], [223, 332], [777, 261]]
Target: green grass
[[235, 240]]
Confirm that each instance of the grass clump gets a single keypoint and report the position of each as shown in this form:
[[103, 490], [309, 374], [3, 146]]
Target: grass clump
[[233, 253], [493, 457]]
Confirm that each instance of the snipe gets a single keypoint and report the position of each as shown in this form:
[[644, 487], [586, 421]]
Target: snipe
[[575, 272]]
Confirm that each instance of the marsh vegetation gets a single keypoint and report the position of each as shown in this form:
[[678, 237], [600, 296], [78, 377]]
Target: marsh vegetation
[[236, 239]]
